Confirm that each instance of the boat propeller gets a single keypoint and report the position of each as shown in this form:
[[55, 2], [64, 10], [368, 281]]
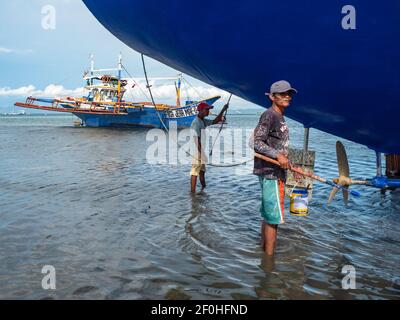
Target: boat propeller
[[344, 179]]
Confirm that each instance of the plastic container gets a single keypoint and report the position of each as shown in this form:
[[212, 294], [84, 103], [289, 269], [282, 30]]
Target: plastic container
[[299, 202]]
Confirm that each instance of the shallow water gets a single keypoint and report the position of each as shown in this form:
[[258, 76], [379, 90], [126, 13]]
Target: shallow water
[[85, 201]]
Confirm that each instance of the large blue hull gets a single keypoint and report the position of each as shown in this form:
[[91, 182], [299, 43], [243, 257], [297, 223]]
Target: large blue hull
[[348, 80]]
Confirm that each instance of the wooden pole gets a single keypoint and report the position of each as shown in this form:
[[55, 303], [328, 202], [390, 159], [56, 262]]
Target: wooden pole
[[306, 174]]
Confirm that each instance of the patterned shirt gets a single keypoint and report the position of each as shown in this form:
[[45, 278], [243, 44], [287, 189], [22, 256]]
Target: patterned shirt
[[271, 137]]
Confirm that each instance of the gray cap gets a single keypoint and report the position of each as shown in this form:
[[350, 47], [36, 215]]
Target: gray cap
[[281, 86]]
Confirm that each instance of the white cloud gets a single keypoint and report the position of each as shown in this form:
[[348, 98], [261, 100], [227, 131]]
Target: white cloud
[[16, 51], [138, 92], [167, 94], [162, 93], [5, 50], [22, 91], [50, 91], [58, 90]]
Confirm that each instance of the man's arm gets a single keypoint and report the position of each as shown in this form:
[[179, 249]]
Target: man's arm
[[198, 144], [219, 117]]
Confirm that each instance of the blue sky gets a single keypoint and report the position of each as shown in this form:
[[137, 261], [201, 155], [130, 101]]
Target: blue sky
[[33, 58]]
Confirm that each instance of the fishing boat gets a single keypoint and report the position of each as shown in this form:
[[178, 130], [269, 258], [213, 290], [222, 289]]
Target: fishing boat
[[105, 106]]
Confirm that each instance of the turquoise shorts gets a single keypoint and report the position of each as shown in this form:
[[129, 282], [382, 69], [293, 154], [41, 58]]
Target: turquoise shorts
[[272, 200]]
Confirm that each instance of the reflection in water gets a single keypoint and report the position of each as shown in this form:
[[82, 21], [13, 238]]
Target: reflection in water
[[267, 263], [193, 240], [395, 200]]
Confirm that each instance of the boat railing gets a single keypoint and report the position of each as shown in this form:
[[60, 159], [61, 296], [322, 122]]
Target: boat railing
[[30, 100], [54, 104], [119, 107]]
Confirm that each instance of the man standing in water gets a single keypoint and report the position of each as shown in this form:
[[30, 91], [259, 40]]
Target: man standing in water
[[199, 158], [271, 138]]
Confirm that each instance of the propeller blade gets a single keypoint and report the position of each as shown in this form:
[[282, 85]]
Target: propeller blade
[[345, 196], [343, 163], [332, 194]]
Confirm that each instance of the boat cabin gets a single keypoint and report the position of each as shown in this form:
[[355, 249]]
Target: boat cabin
[[106, 90]]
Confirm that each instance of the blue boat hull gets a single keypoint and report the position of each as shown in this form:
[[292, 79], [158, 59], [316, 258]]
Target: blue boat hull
[[147, 117], [348, 80]]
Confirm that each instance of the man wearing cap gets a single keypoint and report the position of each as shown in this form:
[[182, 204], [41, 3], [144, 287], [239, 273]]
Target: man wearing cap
[[271, 138], [199, 158]]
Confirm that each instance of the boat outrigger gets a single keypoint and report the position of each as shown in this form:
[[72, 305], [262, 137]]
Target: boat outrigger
[[104, 105]]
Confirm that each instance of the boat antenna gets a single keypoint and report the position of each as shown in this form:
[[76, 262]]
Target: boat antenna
[[91, 57], [119, 78]]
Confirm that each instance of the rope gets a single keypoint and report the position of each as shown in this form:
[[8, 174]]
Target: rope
[[222, 125], [123, 67], [230, 165], [195, 90], [212, 147], [151, 95]]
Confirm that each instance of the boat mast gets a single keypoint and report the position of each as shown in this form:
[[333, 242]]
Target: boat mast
[[119, 79], [178, 91], [91, 68]]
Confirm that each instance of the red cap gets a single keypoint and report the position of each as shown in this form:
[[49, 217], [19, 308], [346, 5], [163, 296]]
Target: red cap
[[203, 106]]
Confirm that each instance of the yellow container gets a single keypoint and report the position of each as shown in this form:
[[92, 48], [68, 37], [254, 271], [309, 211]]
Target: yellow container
[[299, 202]]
